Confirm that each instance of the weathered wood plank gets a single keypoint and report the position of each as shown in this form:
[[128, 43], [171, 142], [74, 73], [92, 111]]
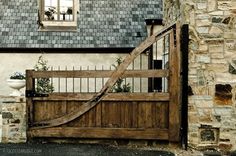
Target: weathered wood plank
[[108, 97], [104, 114], [29, 101], [99, 73], [141, 115], [164, 122], [99, 115], [113, 115], [148, 114], [155, 115], [38, 107], [92, 117], [125, 133], [174, 114], [134, 118]]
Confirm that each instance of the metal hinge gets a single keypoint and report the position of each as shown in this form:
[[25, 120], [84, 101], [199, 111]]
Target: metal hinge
[[32, 93]]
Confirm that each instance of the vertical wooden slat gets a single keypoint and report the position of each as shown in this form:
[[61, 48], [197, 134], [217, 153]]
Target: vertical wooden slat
[[134, 114], [128, 115], [155, 115], [30, 82], [104, 114], [99, 115], [174, 87], [63, 109], [112, 115], [92, 117], [148, 114], [163, 115], [124, 114], [141, 115]]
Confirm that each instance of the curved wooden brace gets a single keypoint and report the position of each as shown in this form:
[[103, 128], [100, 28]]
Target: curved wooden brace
[[107, 87]]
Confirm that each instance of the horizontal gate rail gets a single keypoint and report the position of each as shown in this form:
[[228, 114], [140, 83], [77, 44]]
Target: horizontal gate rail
[[108, 97], [121, 133], [98, 73]]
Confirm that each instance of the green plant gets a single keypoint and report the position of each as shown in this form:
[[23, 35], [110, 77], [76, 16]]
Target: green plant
[[43, 85], [17, 75], [119, 86]]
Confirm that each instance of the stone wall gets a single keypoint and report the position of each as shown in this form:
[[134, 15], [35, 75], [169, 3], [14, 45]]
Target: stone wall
[[12, 120], [212, 69]]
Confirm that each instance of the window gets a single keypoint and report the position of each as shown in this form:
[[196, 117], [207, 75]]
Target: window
[[58, 15]]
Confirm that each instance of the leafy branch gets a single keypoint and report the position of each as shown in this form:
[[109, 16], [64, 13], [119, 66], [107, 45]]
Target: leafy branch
[[43, 85], [119, 86]]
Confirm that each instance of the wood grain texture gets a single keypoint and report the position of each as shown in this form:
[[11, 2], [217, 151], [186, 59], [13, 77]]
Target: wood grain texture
[[174, 107], [125, 133], [108, 97], [99, 73]]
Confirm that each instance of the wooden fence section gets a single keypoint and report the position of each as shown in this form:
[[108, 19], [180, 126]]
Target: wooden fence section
[[131, 115]]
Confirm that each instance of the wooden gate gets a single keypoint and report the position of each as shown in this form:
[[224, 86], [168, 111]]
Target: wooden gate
[[138, 114]]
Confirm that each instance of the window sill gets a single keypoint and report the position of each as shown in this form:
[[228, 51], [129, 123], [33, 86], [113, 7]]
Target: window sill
[[59, 26]]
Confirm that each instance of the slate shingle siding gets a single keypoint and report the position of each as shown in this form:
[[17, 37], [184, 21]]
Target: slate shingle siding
[[101, 23]]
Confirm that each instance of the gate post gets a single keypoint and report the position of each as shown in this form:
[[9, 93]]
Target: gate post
[[174, 87], [29, 100]]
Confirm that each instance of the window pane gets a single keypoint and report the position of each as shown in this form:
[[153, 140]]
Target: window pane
[[66, 10], [50, 10]]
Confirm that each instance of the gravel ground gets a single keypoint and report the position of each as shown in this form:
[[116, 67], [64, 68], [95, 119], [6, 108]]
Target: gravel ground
[[75, 150], [52, 149], [55, 149]]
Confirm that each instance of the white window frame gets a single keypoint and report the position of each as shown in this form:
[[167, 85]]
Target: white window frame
[[58, 25]]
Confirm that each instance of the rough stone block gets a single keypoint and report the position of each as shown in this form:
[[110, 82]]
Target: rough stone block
[[217, 55], [193, 118], [230, 45], [204, 104], [203, 16], [222, 68], [7, 115], [217, 13], [203, 59], [208, 134], [232, 67], [217, 19], [194, 134], [229, 35], [219, 61], [202, 30], [223, 94], [203, 48], [201, 6], [203, 23], [211, 5], [215, 30], [224, 5], [223, 111], [225, 147]]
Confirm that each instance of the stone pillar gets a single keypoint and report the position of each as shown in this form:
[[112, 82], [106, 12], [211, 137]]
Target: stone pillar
[[212, 69], [13, 120]]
